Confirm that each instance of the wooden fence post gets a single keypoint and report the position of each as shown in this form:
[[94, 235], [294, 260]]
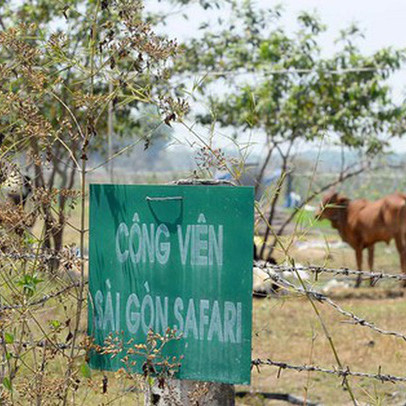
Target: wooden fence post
[[189, 393], [185, 392]]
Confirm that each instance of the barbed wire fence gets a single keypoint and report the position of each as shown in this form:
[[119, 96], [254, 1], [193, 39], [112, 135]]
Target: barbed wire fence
[[278, 274], [275, 273]]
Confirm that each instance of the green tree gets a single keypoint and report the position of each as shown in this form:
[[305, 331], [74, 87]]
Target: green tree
[[281, 85]]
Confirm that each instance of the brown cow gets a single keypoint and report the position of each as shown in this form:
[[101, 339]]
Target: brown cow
[[362, 223]]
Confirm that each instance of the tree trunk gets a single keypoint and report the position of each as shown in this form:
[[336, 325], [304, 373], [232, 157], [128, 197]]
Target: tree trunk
[[272, 210], [285, 159], [261, 173]]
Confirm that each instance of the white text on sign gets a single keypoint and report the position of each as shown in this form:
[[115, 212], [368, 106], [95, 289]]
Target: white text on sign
[[200, 319], [198, 244]]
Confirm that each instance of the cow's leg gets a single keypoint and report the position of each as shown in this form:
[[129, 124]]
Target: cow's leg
[[371, 262], [401, 247], [358, 256], [403, 264]]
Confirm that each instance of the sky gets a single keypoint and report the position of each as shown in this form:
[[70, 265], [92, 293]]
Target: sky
[[382, 22]]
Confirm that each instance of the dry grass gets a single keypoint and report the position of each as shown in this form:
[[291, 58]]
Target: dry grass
[[286, 329]]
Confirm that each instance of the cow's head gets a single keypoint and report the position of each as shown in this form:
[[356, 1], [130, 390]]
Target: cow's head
[[332, 207]]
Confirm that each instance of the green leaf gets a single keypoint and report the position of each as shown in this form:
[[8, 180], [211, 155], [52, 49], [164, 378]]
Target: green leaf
[[55, 324], [151, 380], [7, 383], [9, 338], [29, 284], [85, 370]]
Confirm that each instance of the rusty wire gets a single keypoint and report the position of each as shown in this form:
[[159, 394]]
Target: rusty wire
[[344, 373], [44, 256], [317, 270], [43, 300], [320, 297], [43, 344]]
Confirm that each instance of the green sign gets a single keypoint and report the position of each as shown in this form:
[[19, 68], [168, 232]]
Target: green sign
[[177, 257]]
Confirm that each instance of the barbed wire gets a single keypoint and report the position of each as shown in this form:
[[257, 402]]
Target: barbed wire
[[25, 256], [320, 297], [43, 344], [271, 72], [260, 264], [44, 299], [317, 270], [344, 373]]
